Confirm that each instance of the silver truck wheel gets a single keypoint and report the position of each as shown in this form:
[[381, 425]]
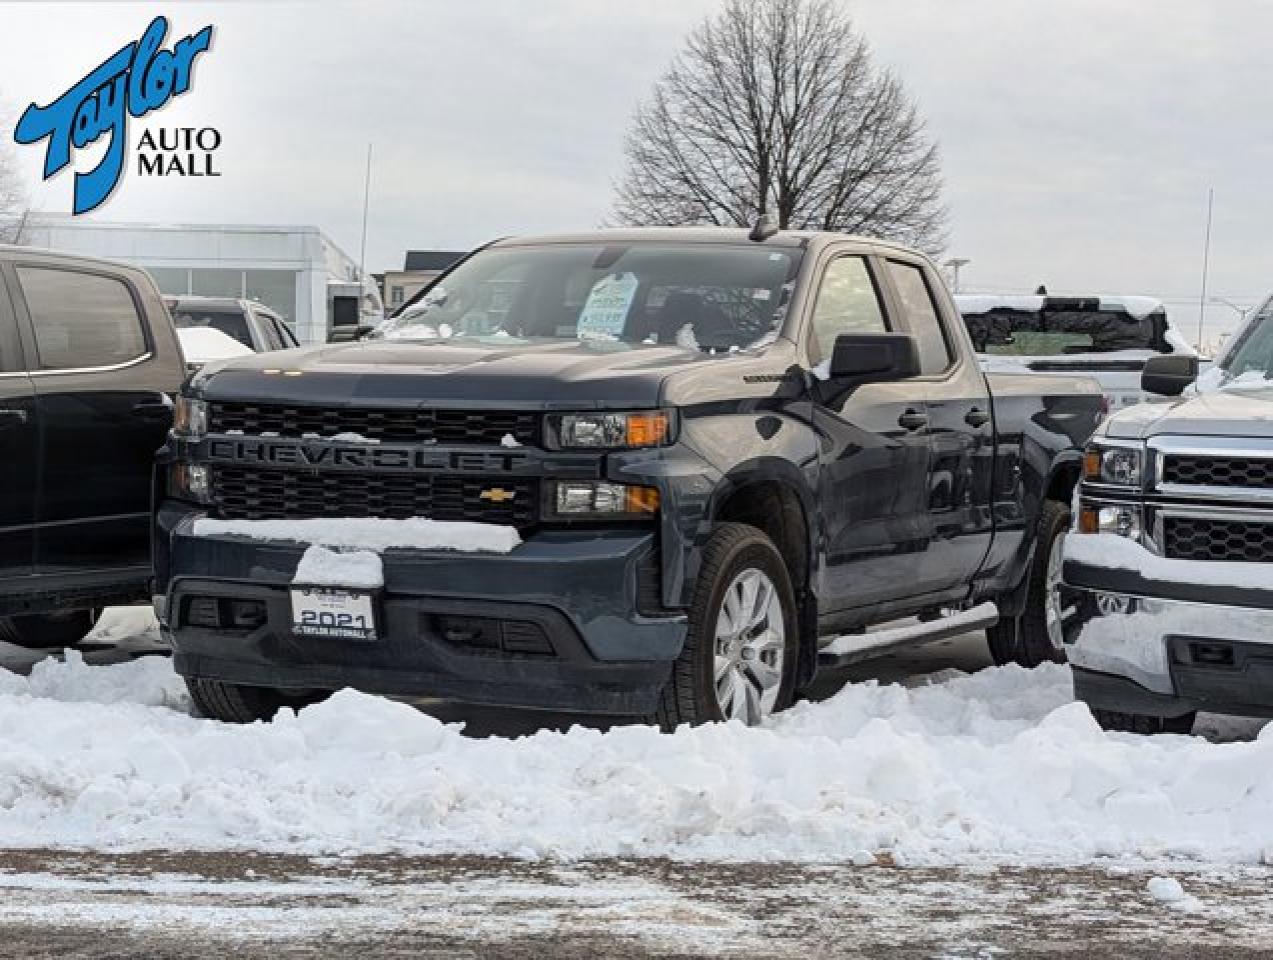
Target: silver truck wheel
[[751, 640], [1055, 611], [742, 642]]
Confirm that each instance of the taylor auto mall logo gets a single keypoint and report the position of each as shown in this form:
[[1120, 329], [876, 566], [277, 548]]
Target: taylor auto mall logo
[[138, 79]]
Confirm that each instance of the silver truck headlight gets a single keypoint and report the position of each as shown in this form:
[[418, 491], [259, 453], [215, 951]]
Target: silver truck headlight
[[190, 419], [1116, 465]]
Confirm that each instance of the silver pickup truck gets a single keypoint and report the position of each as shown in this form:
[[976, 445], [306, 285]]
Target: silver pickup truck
[[1167, 602]]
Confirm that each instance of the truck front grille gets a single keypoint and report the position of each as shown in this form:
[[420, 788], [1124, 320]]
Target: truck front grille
[[389, 426], [249, 493], [1203, 538], [1251, 472]]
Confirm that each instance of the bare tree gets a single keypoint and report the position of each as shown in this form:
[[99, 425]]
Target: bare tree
[[13, 195], [775, 106]]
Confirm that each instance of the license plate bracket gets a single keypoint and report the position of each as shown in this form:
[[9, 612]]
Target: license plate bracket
[[335, 613]]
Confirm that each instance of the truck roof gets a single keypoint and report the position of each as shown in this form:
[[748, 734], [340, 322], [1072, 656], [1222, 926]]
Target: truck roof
[[624, 235]]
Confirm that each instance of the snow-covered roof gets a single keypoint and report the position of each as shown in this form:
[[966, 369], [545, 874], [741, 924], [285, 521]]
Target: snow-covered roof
[[1135, 306]]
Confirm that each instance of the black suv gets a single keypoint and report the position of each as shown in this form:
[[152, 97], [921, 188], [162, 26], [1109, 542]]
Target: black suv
[[717, 448], [88, 363]]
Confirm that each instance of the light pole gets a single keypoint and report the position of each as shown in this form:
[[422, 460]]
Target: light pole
[[953, 264]]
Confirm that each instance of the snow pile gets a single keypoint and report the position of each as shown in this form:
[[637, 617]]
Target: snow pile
[[371, 533], [1112, 552], [1000, 765], [320, 567], [205, 344]]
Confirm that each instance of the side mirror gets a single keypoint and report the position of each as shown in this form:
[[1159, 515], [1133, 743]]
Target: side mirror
[[348, 334], [874, 357], [1168, 375]]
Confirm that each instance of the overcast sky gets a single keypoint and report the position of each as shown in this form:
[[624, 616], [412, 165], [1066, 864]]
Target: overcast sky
[[1079, 137]]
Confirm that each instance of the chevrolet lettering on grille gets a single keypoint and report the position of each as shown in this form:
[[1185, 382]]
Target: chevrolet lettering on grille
[[375, 458]]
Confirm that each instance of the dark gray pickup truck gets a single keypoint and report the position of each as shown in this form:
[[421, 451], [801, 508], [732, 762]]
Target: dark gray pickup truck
[[717, 448]]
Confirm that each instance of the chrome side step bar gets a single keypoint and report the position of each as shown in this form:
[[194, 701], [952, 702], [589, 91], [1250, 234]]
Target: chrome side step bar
[[856, 647]]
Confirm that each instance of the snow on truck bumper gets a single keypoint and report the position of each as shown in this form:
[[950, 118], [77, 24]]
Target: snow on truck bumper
[[1163, 637], [562, 621]]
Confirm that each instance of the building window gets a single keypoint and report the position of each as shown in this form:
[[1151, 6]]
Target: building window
[[275, 289], [396, 296], [81, 319], [174, 281], [216, 283]]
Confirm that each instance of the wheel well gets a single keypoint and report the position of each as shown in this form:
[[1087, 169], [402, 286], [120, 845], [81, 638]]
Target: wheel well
[[775, 510], [1064, 480]]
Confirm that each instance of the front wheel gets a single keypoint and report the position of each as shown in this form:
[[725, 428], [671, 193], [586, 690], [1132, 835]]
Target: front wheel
[[740, 652], [1036, 636], [48, 631], [237, 703]]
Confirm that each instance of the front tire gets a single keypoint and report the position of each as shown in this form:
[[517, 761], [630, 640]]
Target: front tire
[[238, 703], [1035, 637], [1117, 722], [48, 631], [741, 650]]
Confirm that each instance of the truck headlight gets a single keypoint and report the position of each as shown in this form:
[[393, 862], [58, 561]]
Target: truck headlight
[[611, 431], [1120, 519], [588, 498], [190, 418], [1119, 466]]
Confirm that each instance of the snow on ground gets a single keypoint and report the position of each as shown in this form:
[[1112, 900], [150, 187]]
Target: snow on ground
[[999, 765]]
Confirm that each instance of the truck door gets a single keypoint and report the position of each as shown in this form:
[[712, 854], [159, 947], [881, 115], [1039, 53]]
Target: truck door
[[102, 411], [872, 492], [961, 431], [17, 451]]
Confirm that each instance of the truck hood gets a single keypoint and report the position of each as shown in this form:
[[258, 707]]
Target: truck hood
[[1226, 412], [579, 375]]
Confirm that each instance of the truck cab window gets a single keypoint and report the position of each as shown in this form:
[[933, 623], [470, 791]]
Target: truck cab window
[[847, 303], [923, 317], [81, 319]]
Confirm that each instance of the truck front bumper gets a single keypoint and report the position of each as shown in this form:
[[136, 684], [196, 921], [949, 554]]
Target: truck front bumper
[[1171, 644], [562, 622]]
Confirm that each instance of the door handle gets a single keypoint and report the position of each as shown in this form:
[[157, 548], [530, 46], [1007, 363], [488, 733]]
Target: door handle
[[12, 418], [912, 420], [976, 417], [155, 410]]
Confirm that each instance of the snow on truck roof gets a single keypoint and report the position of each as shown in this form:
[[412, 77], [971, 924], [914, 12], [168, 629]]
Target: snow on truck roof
[[1138, 307]]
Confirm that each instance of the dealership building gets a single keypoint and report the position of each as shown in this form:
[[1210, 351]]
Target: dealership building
[[297, 271]]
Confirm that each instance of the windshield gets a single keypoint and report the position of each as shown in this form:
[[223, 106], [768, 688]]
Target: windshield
[[1250, 359], [1059, 333], [230, 322], [699, 296]]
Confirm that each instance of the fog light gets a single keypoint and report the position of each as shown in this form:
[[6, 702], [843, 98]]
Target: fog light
[[1124, 521], [589, 498], [192, 482]]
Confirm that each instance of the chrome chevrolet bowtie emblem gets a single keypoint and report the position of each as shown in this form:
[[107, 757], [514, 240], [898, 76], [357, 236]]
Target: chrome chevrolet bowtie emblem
[[497, 495]]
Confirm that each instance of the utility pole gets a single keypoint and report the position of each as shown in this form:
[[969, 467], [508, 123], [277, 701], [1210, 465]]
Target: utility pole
[[1206, 262], [366, 199], [954, 264]]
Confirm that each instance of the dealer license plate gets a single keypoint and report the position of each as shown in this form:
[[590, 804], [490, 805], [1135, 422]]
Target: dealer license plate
[[333, 612]]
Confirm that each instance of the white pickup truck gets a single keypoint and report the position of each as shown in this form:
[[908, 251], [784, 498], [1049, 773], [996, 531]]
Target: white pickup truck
[[1106, 338]]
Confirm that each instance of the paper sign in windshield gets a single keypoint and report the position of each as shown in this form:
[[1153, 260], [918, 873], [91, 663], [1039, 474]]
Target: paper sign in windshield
[[605, 313]]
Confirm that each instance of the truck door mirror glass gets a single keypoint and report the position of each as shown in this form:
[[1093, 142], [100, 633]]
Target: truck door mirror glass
[[874, 357], [1168, 375]]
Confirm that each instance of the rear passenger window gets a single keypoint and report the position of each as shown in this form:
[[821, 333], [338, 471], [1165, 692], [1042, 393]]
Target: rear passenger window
[[81, 319], [847, 303], [924, 320]]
